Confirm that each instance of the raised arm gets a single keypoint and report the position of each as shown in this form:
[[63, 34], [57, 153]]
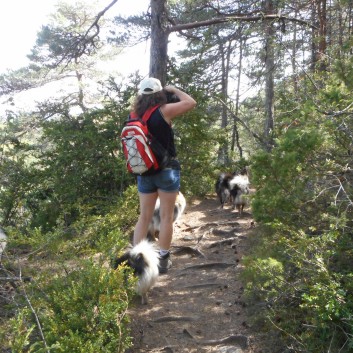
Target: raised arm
[[172, 110]]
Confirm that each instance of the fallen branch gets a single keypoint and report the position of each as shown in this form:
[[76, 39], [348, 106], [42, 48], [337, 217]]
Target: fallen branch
[[37, 321], [222, 242], [203, 235], [13, 279], [187, 250], [176, 318], [222, 233], [241, 340]]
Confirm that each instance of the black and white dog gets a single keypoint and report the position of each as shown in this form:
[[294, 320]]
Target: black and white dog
[[233, 187], [154, 227], [143, 258], [239, 186], [223, 188]]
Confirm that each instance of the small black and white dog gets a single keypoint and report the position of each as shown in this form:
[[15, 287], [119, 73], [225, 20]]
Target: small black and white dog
[[223, 188], [154, 227], [143, 258], [239, 186], [233, 187]]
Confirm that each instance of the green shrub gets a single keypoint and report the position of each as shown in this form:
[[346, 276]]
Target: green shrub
[[263, 277], [83, 311], [299, 265], [80, 304]]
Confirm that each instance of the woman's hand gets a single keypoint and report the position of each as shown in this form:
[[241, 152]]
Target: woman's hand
[[170, 88]]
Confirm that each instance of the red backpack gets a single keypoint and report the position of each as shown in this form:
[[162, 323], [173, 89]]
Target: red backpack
[[144, 154]]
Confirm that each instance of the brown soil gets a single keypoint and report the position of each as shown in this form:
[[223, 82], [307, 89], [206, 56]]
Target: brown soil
[[198, 305]]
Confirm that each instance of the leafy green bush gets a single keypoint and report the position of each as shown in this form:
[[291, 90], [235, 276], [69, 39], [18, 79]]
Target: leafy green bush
[[300, 265], [80, 311], [264, 278], [73, 305]]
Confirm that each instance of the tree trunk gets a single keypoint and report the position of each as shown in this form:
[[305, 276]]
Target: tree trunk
[[223, 154], [321, 11], [294, 56], [235, 136], [319, 40], [269, 78], [80, 100], [313, 39], [340, 28], [159, 41]]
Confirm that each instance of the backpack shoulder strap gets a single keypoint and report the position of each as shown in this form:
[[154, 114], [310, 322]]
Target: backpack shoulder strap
[[149, 112], [146, 115]]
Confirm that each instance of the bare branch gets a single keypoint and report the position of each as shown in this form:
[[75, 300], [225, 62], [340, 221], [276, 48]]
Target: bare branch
[[341, 112], [80, 45], [241, 18], [256, 136], [37, 321], [95, 23]]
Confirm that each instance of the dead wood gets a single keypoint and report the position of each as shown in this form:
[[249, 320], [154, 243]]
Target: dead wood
[[241, 340], [181, 250], [13, 279], [176, 318], [229, 241], [222, 233]]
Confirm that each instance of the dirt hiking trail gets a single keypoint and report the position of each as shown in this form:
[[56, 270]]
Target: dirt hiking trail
[[197, 306]]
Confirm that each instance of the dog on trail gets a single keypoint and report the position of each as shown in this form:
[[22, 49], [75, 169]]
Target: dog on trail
[[239, 186], [223, 188], [143, 258], [154, 226], [233, 187]]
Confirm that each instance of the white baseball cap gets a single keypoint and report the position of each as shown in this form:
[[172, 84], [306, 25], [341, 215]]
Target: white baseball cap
[[150, 85]]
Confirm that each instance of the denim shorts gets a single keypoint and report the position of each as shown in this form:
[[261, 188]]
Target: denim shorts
[[167, 180]]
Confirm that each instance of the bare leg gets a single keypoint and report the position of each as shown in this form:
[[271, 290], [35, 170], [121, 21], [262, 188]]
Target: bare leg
[[167, 200], [147, 203]]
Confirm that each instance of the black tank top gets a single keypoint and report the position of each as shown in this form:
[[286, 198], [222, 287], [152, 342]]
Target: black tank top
[[162, 131]]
